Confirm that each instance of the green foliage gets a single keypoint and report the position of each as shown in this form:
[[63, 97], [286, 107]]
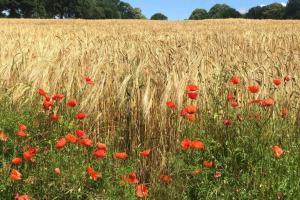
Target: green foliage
[[293, 9], [128, 12], [198, 14], [223, 11], [254, 13], [242, 153], [159, 16], [86, 9], [273, 11]]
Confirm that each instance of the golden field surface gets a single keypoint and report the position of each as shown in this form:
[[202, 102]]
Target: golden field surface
[[137, 66]]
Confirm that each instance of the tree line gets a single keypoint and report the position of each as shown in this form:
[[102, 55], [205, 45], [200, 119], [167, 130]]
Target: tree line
[[85, 9], [271, 11], [116, 9]]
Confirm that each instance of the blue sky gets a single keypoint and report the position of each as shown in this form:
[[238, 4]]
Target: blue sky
[[181, 9]]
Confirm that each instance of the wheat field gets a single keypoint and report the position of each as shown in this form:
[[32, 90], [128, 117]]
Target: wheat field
[[137, 66]]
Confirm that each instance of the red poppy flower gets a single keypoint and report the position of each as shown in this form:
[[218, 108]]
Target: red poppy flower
[[235, 80], [227, 122], [72, 103], [81, 116], [47, 104], [208, 164], [22, 127], [230, 97], [166, 178], [89, 81], [30, 153], [100, 153], [217, 174], [287, 78], [145, 153], [3, 137], [253, 89], [101, 146], [16, 161], [120, 155], [32, 150], [234, 104], [277, 82], [85, 142], [57, 170], [42, 92], [196, 171], [58, 97], [192, 88], [47, 98], [284, 112], [141, 190], [267, 102], [278, 151], [61, 143], [28, 156], [192, 95], [55, 117], [22, 197], [186, 144], [21, 134], [80, 133], [71, 138], [197, 145], [130, 178], [93, 174], [191, 109], [191, 118], [183, 112], [15, 175], [171, 104]]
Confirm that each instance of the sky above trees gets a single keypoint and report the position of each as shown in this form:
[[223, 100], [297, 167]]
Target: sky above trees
[[182, 9]]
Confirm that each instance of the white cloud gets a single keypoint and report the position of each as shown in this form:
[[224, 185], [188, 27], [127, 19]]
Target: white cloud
[[284, 4]]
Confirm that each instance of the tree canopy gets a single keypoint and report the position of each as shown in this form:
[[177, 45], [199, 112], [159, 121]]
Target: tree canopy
[[292, 10], [86, 9], [198, 14], [223, 11], [159, 16], [117, 9], [271, 11]]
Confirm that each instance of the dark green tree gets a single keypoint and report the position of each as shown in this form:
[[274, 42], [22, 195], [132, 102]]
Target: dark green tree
[[87, 9], [2, 7], [32, 8], [254, 13], [110, 8], [223, 11], [12, 7], [138, 14], [126, 10], [159, 16], [60, 8], [198, 14], [292, 10], [273, 11]]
